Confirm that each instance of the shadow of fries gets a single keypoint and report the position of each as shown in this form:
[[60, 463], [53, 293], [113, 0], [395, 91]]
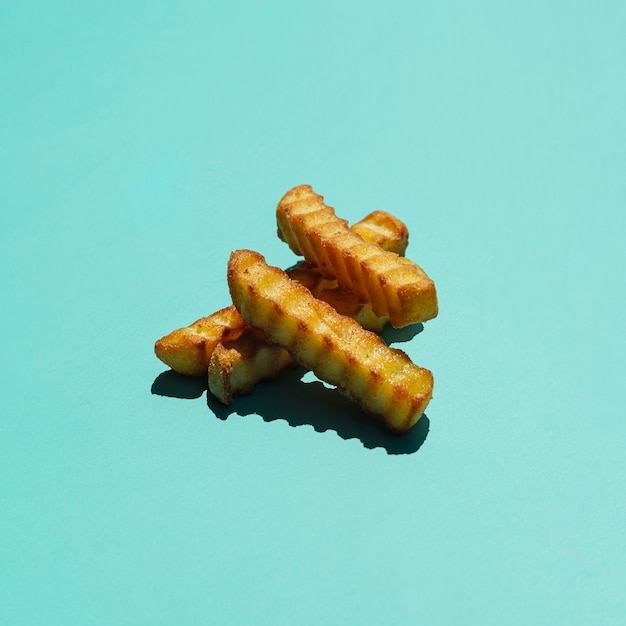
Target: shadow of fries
[[401, 335], [302, 403], [175, 385]]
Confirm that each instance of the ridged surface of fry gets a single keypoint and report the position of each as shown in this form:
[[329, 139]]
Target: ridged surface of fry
[[395, 286], [237, 365], [383, 380], [385, 230]]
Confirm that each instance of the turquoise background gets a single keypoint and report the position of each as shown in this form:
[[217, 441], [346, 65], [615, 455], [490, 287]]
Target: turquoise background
[[141, 142]]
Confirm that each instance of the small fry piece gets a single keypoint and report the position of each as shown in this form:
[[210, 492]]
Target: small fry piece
[[237, 366], [396, 287], [383, 380], [385, 230], [188, 350], [343, 301]]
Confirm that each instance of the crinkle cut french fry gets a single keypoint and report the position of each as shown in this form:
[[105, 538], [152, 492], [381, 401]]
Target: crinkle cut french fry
[[188, 350], [385, 230], [237, 366], [383, 380], [343, 301], [395, 286]]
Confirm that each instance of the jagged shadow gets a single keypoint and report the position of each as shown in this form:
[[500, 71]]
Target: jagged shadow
[[300, 403], [401, 335], [175, 385]]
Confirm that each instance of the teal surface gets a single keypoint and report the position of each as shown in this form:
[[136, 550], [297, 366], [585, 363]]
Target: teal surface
[[141, 142]]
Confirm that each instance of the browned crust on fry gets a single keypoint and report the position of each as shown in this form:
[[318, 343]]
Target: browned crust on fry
[[385, 230], [342, 300], [395, 286], [236, 366], [188, 350], [383, 380]]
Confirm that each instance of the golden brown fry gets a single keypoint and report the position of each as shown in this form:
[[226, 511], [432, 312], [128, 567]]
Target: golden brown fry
[[395, 286], [385, 230], [343, 301], [383, 380], [188, 350], [237, 366]]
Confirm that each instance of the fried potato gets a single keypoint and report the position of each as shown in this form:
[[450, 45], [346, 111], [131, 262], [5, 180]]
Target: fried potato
[[343, 301], [395, 286], [188, 350], [385, 230], [383, 380], [237, 366]]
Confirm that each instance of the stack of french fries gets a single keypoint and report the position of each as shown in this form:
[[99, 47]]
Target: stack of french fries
[[323, 314]]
